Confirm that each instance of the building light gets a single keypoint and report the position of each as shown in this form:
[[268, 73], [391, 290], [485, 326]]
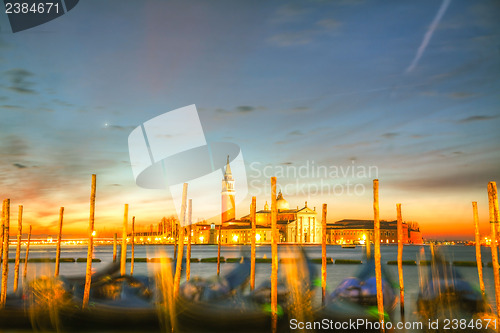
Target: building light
[[93, 233], [201, 239], [235, 238], [257, 237]]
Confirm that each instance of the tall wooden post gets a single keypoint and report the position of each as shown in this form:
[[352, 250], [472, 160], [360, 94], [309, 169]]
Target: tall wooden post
[[123, 257], [114, 246], [400, 260], [323, 256], [368, 246], [219, 242], [182, 223], [2, 236], [493, 210], [5, 262], [252, 251], [58, 251], [478, 247], [176, 235], [378, 267], [188, 250], [88, 274], [274, 253], [25, 270], [18, 248], [132, 255]]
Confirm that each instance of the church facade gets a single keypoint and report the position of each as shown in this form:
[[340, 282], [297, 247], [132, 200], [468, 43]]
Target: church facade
[[295, 225]]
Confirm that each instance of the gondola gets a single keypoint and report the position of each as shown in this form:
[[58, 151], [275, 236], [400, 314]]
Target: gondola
[[222, 304], [38, 304], [445, 296], [355, 299]]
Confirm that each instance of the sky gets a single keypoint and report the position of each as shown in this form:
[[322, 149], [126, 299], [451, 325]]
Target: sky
[[403, 91]]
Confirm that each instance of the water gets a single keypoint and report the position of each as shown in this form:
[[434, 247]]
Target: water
[[336, 273]]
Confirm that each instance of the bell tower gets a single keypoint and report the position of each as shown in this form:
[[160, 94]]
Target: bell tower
[[227, 195]]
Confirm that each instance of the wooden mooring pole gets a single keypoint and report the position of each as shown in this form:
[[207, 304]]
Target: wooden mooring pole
[[5, 261], [182, 223], [18, 247], [88, 273], [274, 254], [493, 212], [2, 238], [132, 255], [219, 242], [477, 237], [123, 256], [378, 267], [400, 260], [254, 235], [188, 249], [59, 236], [323, 256], [368, 246], [25, 270], [114, 246]]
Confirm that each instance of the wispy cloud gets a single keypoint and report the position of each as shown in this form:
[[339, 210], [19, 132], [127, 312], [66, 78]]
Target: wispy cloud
[[390, 135], [19, 83], [476, 118], [19, 165], [428, 35]]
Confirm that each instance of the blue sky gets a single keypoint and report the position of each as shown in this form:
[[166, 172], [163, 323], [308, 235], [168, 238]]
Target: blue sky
[[290, 82]]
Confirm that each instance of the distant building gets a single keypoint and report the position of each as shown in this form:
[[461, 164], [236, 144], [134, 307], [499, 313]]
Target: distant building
[[228, 193], [299, 226], [360, 231]]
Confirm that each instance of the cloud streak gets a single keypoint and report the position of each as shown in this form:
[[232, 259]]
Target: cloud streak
[[476, 118], [428, 35]]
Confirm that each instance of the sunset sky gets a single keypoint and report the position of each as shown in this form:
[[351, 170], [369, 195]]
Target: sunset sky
[[409, 90]]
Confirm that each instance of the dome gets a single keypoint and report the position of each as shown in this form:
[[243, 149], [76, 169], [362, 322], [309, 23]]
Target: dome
[[281, 203]]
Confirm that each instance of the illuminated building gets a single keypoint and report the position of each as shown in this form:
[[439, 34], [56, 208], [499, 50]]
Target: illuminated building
[[358, 231], [227, 195]]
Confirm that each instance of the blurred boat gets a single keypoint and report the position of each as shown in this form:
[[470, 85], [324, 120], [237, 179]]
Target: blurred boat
[[356, 298], [221, 304], [38, 305], [348, 246], [446, 296]]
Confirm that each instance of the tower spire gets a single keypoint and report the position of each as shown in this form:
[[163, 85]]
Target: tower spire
[[228, 167]]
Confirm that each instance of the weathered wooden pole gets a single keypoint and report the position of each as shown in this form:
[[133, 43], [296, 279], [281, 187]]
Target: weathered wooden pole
[[25, 270], [132, 255], [88, 274], [323, 256], [478, 247], [252, 251], [18, 247], [378, 267], [114, 246], [5, 262], [188, 250], [182, 222], [368, 246], [123, 257], [493, 210], [274, 253], [2, 236], [219, 242], [176, 235], [58, 251], [400, 260]]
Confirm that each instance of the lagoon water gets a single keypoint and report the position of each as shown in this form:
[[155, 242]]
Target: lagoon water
[[336, 273]]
